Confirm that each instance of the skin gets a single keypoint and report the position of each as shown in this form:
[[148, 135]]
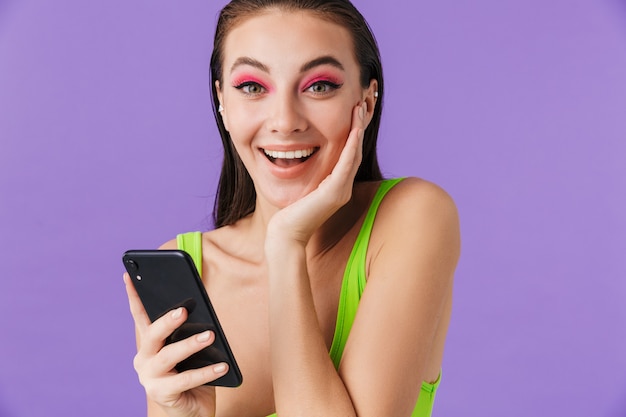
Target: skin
[[274, 277]]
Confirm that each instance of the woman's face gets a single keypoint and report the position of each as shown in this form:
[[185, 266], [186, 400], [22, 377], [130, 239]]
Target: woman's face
[[290, 82]]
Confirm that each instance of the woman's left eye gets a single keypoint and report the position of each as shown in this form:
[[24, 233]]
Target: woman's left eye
[[322, 87]]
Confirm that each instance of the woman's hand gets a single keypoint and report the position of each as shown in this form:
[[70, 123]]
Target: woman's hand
[[298, 221], [177, 394]]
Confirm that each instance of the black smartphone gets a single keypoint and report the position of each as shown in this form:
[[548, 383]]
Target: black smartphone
[[168, 279]]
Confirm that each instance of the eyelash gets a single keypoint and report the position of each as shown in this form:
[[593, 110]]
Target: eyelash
[[245, 84], [326, 83], [331, 86]]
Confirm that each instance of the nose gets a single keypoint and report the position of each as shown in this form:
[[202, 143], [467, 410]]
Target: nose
[[286, 115]]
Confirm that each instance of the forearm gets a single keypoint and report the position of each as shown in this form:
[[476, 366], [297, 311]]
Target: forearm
[[305, 380]]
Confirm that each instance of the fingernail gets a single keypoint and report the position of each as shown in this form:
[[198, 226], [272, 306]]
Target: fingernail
[[177, 313], [219, 368], [361, 112], [203, 337]]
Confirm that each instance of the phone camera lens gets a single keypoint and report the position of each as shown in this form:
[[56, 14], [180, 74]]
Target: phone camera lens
[[132, 265]]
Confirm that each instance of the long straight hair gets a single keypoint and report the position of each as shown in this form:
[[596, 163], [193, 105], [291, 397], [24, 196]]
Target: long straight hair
[[236, 195]]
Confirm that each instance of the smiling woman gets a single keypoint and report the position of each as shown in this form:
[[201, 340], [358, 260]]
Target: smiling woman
[[332, 284]]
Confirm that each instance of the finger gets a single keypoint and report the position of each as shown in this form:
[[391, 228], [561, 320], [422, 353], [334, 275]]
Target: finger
[[142, 321], [195, 377], [358, 116], [355, 139], [153, 337], [174, 353]]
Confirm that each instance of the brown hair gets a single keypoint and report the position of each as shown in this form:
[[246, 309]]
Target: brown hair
[[236, 196]]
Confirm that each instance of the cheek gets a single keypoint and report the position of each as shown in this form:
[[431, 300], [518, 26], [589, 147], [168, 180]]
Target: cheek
[[335, 124], [243, 123]]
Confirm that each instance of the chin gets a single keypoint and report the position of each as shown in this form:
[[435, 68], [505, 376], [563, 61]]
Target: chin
[[286, 195], [280, 202]]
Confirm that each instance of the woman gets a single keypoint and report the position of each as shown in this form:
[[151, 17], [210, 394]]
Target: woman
[[298, 87]]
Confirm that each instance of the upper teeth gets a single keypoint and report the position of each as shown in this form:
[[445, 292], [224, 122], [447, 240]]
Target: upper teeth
[[289, 154]]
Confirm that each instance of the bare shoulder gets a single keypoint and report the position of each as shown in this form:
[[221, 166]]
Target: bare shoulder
[[417, 216], [170, 244], [417, 200], [207, 237], [418, 197]]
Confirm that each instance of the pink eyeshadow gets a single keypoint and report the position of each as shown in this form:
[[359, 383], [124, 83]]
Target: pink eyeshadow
[[321, 77], [247, 78]]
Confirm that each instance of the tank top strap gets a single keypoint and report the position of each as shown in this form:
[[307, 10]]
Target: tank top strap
[[191, 243], [355, 277], [363, 239]]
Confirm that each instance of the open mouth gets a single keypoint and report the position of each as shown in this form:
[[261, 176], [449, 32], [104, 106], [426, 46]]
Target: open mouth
[[289, 158]]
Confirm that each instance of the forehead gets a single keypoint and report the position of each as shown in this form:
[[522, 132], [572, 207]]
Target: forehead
[[278, 38]]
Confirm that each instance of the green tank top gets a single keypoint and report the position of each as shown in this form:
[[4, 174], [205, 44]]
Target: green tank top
[[353, 284]]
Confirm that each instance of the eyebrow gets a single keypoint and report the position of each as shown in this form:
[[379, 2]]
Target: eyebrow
[[323, 60], [244, 60]]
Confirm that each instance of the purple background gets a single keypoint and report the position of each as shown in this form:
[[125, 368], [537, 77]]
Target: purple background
[[517, 108]]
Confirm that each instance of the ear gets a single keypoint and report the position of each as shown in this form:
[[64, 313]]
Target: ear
[[220, 99], [370, 96]]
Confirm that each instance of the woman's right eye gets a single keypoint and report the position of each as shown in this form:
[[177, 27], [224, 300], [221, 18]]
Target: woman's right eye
[[251, 88]]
